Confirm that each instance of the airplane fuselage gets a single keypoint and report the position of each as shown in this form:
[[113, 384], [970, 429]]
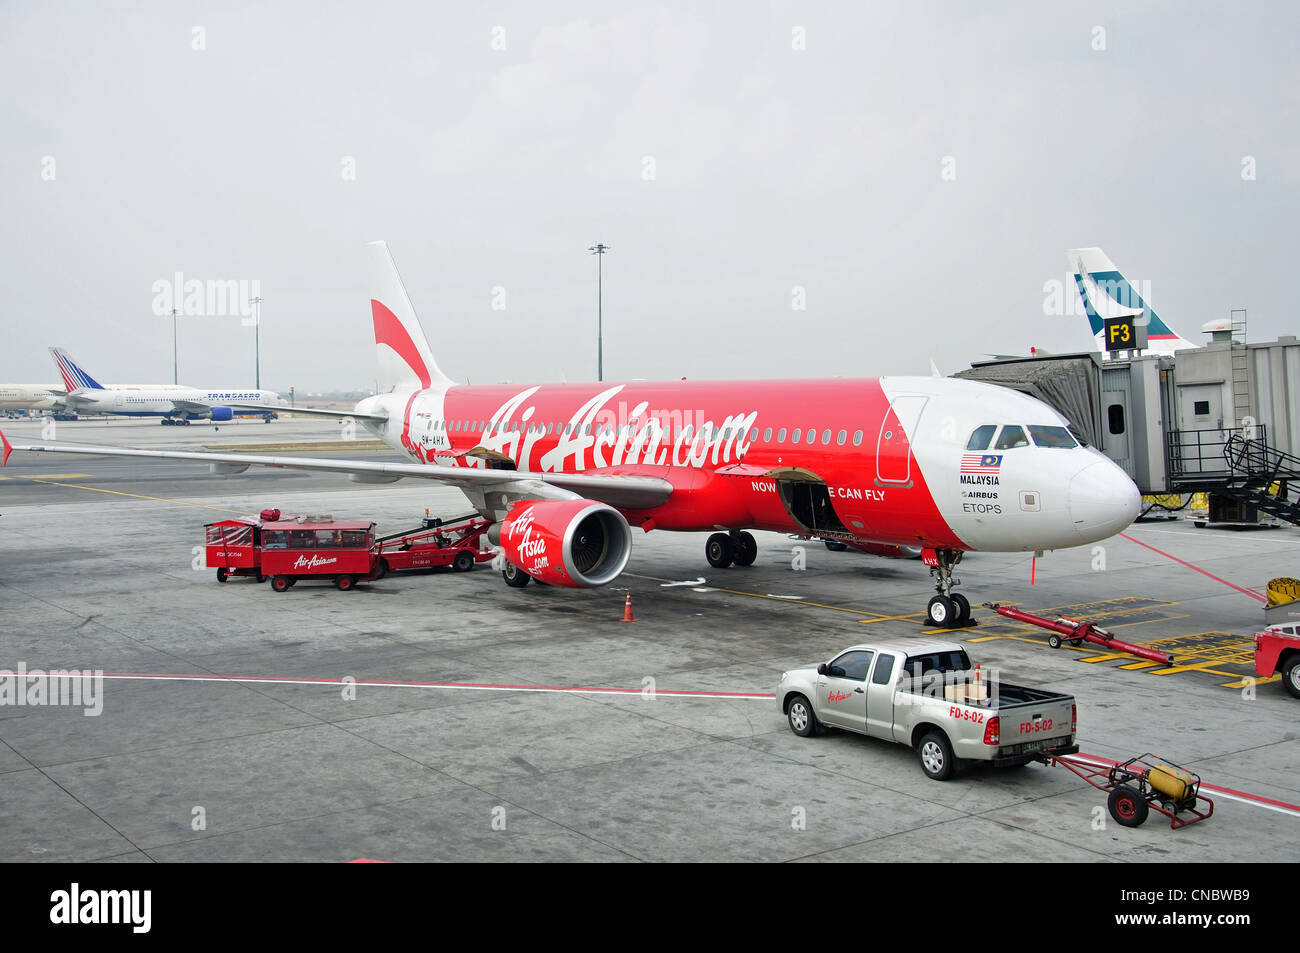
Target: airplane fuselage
[[885, 460]]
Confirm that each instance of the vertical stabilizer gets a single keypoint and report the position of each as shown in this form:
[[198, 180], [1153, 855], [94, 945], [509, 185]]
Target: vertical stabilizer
[[74, 378], [405, 361]]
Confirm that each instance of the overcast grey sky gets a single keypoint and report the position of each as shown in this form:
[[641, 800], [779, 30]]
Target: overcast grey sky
[[792, 145]]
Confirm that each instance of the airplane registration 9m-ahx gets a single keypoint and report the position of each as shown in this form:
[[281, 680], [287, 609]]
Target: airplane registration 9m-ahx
[[566, 470]]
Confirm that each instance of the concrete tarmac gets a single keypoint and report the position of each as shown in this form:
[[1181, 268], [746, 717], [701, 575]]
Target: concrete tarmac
[[459, 754]]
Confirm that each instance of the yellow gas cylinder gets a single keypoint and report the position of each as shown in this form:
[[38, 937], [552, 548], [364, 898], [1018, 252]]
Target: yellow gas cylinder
[[1171, 782], [1283, 590]]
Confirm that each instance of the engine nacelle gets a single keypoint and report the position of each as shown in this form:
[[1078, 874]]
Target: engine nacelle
[[577, 543], [222, 414]]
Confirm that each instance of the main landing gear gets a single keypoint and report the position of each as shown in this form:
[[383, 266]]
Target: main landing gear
[[180, 422], [725, 549], [948, 609]]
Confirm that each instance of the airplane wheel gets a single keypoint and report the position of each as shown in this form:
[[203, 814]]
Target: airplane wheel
[[744, 549], [718, 551], [463, 561], [962, 605], [940, 611], [344, 583], [515, 577], [221, 574], [280, 583]]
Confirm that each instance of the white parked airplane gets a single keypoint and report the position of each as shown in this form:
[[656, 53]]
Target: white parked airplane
[[175, 405]]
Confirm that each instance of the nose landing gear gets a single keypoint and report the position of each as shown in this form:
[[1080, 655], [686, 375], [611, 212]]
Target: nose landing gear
[[947, 609]]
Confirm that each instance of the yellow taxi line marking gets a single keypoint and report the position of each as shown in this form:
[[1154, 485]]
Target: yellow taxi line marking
[[1252, 680], [1207, 666], [1139, 665], [1109, 657], [140, 496]]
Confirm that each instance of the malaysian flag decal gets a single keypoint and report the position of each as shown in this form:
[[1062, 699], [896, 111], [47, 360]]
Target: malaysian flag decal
[[981, 462]]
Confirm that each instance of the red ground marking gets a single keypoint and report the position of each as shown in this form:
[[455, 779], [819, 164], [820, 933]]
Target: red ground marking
[[1184, 562]]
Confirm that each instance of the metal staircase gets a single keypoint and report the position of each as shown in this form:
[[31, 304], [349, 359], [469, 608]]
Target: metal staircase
[[1263, 476]]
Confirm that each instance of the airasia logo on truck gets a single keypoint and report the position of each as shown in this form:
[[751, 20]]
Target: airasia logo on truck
[[302, 562]]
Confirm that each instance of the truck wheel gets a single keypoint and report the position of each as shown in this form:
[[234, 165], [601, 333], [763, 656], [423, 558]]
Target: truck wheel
[[803, 721], [463, 561], [280, 583], [1291, 676], [344, 583], [381, 569], [221, 574], [718, 551], [261, 578], [515, 577], [937, 760], [1127, 806], [1054, 641], [940, 612]]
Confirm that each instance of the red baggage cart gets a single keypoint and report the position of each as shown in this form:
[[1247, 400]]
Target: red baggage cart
[[234, 548], [343, 551]]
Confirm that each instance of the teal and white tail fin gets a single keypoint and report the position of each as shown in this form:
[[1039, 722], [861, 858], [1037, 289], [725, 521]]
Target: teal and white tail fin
[[1108, 294], [405, 361]]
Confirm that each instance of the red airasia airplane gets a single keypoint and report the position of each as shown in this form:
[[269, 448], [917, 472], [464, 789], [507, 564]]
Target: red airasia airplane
[[565, 470]]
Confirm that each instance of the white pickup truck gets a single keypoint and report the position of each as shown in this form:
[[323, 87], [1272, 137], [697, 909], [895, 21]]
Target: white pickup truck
[[927, 695]]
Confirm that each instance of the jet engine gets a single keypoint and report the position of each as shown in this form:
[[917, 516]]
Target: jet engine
[[577, 543], [222, 414]]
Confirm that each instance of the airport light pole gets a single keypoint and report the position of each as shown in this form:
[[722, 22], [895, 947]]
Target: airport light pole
[[599, 251], [176, 377], [257, 341]]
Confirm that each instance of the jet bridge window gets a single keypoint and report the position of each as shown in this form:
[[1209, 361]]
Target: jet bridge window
[[1010, 438], [1051, 436], [979, 440], [1115, 418]]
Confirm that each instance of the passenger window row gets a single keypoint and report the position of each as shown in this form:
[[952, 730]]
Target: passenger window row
[[794, 435]]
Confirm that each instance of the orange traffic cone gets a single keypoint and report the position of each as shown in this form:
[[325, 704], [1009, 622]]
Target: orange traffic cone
[[627, 609]]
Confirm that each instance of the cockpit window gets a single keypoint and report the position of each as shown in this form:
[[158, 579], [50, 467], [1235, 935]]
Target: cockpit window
[[1010, 438], [979, 440], [1075, 433], [1051, 436]]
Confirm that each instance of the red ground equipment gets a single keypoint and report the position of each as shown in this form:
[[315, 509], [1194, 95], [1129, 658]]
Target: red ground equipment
[[302, 549], [1141, 783], [1075, 632], [453, 542], [234, 548]]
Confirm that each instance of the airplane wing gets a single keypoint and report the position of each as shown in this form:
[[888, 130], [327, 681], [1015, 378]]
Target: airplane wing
[[626, 492], [307, 411]]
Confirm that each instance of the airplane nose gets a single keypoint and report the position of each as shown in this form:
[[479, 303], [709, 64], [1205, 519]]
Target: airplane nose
[[1103, 501]]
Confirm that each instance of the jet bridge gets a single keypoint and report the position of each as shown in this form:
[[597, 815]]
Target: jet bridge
[[1222, 419]]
